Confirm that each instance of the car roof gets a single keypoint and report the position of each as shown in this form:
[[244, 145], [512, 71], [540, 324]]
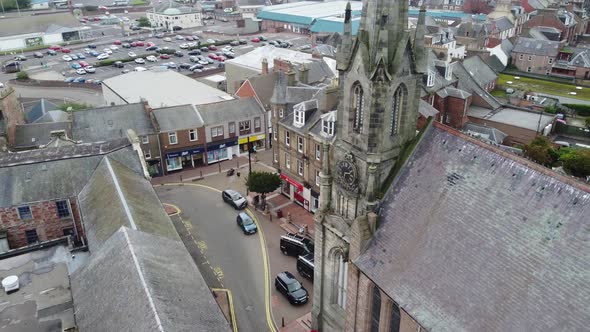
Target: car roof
[[244, 215], [287, 277]]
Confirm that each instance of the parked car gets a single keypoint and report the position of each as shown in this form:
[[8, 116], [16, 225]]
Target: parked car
[[234, 199], [94, 53], [293, 290], [66, 58], [38, 55], [90, 69], [75, 65], [149, 44], [243, 41], [212, 48], [210, 41], [139, 69], [213, 56], [133, 44], [195, 67], [114, 47], [131, 54], [183, 46], [51, 52], [262, 38], [255, 40], [126, 45], [235, 43], [204, 49], [295, 245], [167, 39], [91, 46], [151, 48], [159, 35], [229, 55], [178, 54], [74, 56], [102, 56], [194, 52], [151, 58], [69, 79], [305, 266], [203, 62], [65, 50], [80, 71], [80, 56], [107, 51], [185, 65], [140, 61], [87, 50], [140, 43], [54, 47], [20, 58], [117, 42], [179, 37], [246, 223], [83, 64], [171, 65], [118, 64], [164, 56], [189, 38]]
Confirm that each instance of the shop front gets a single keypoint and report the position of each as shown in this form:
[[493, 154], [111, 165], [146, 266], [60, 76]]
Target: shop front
[[295, 191], [190, 158], [221, 151], [257, 142]]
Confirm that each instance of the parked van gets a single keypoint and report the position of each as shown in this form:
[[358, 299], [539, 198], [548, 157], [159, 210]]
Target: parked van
[[295, 245], [305, 266], [12, 67]]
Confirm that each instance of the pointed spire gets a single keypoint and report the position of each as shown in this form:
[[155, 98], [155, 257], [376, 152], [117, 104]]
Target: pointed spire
[[346, 43], [419, 49], [347, 13]]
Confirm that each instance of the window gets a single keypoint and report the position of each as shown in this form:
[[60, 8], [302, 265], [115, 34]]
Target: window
[[399, 104], [232, 128], [357, 108], [275, 132], [276, 157], [287, 138], [281, 113], [530, 58], [192, 135], [145, 139], [340, 273], [430, 80], [257, 123], [244, 125], [550, 60], [287, 161], [528, 69], [300, 167], [217, 131], [394, 319], [172, 138], [31, 236], [299, 120], [376, 309], [318, 153], [520, 56], [300, 144], [63, 210], [24, 213], [328, 127], [317, 177], [148, 154], [68, 231]]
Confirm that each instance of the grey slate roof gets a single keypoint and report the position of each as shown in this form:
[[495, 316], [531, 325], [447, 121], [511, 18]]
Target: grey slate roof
[[279, 94], [38, 134], [453, 92], [426, 110], [138, 282], [484, 132], [469, 84], [104, 208], [496, 244], [263, 86], [178, 117], [50, 173], [481, 72], [106, 123], [536, 47], [231, 110], [41, 108], [503, 24]]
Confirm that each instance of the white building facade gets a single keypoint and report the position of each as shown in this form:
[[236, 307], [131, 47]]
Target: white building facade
[[183, 17]]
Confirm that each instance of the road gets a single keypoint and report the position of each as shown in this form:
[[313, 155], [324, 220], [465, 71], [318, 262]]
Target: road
[[234, 258]]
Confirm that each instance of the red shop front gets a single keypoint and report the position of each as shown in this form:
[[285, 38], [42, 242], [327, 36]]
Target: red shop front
[[293, 190]]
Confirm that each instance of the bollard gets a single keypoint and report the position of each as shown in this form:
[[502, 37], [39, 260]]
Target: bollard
[[283, 322], [181, 178], [219, 163], [201, 173]]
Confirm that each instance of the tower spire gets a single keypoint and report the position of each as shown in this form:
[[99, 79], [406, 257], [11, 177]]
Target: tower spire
[[419, 50], [346, 43]]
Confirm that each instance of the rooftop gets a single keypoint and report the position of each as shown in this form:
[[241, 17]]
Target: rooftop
[[163, 88], [35, 135], [26, 24], [536, 47], [305, 12], [514, 117], [232, 110], [178, 117]]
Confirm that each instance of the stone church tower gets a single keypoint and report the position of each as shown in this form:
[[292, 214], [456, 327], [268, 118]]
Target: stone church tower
[[380, 74]]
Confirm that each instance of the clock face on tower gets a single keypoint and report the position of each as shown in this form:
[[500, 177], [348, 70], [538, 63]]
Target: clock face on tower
[[346, 174]]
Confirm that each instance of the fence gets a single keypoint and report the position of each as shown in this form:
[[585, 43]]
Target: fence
[[564, 129]]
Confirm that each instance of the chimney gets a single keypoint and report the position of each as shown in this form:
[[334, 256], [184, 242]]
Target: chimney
[[317, 55], [291, 78], [134, 140], [264, 66], [146, 107], [304, 74]]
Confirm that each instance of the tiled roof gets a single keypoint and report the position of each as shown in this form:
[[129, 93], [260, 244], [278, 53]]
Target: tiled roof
[[471, 238], [536, 47]]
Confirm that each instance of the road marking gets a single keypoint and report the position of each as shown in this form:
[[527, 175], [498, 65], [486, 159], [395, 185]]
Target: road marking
[[174, 207], [218, 272], [269, 317], [201, 245], [232, 311]]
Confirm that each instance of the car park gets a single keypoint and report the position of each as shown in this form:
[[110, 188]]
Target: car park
[[140, 61], [291, 288], [295, 245], [102, 56], [80, 71], [151, 58], [118, 64], [38, 55], [66, 58], [51, 52], [246, 223], [234, 199], [90, 69], [305, 266], [131, 54]]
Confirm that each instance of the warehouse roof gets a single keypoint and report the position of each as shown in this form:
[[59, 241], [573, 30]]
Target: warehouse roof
[[511, 116], [305, 12]]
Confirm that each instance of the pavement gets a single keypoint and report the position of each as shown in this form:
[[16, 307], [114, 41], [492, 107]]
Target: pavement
[[190, 197]]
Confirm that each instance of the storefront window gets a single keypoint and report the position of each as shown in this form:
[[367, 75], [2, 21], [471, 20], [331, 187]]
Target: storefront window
[[173, 164], [216, 155]]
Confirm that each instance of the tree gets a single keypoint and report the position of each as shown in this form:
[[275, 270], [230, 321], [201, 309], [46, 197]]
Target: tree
[[263, 183], [577, 162], [143, 22], [22, 76], [541, 151]]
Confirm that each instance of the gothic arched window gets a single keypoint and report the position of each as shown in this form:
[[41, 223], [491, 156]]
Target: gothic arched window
[[400, 98], [394, 319], [357, 104], [376, 309], [340, 279]]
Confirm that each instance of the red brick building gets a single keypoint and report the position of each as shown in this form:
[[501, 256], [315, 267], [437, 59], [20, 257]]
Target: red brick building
[[560, 19]]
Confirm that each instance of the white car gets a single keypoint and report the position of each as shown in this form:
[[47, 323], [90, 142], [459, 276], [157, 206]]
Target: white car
[[102, 56], [80, 71], [113, 47], [179, 37], [192, 44], [203, 62], [183, 46], [131, 54], [67, 58], [210, 41], [140, 61], [90, 69], [140, 69], [1, 85], [151, 58], [87, 50], [227, 49], [167, 39], [107, 51]]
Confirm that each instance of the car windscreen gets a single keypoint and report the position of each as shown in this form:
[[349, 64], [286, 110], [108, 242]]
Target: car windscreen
[[247, 221], [235, 196], [295, 285]]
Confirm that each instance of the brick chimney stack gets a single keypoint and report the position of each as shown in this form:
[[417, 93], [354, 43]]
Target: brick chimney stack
[[264, 66]]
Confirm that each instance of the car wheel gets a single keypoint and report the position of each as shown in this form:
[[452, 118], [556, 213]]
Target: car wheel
[[285, 253]]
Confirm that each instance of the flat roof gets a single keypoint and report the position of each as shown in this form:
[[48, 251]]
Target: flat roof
[[163, 88], [305, 12], [512, 116], [215, 78], [43, 302]]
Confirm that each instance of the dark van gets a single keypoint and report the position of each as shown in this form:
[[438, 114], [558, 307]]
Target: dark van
[[305, 266], [295, 245], [12, 67]]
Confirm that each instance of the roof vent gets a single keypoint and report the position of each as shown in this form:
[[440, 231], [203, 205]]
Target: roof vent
[[10, 284]]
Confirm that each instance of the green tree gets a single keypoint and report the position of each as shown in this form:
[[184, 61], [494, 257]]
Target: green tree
[[143, 22], [22, 76], [577, 162], [263, 183], [11, 4], [541, 151]]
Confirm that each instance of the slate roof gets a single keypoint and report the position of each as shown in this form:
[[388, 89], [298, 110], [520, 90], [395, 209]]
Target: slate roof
[[484, 132], [469, 84], [50, 173], [453, 92], [178, 117], [116, 196], [503, 23], [41, 108], [139, 282], [26, 24], [263, 86], [426, 110], [38, 134], [316, 128], [232, 110], [479, 70], [536, 47], [497, 244], [106, 123]]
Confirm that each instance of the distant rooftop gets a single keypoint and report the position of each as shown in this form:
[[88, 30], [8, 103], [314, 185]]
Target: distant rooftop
[[511, 116], [305, 12], [536, 47]]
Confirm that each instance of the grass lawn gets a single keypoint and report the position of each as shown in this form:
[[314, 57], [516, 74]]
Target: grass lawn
[[138, 2], [499, 93], [537, 85]]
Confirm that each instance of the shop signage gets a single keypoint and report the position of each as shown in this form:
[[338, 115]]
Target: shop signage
[[224, 145], [293, 182], [184, 153], [252, 138], [35, 41]]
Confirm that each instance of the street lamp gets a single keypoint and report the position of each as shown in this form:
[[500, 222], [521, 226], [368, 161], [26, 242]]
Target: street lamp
[[249, 156]]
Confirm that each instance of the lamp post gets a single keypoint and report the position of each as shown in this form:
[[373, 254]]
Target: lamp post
[[249, 157]]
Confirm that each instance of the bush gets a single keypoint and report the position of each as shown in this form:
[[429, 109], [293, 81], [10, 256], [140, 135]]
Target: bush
[[72, 107], [541, 151], [577, 163], [581, 109], [22, 76], [142, 21], [91, 8]]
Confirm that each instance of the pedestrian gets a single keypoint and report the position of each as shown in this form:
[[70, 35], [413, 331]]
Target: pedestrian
[[102, 33]]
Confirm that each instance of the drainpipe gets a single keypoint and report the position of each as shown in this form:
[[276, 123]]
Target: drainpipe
[[81, 223]]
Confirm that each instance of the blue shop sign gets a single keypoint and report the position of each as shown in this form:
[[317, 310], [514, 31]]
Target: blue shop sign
[[224, 145], [184, 153]]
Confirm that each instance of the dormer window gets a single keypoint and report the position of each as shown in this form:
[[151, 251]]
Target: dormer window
[[449, 72], [299, 118], [430, 80], [328, 127]]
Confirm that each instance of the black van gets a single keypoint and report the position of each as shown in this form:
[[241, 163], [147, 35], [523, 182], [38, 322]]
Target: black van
[[12, 67], [305, 266], [295, 245]]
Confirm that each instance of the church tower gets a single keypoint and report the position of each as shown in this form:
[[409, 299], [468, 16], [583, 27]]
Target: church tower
[[380, 74]]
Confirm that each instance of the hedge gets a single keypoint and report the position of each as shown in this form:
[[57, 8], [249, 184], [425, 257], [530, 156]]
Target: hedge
[[581, 109], [219, 43], [110, 62]]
